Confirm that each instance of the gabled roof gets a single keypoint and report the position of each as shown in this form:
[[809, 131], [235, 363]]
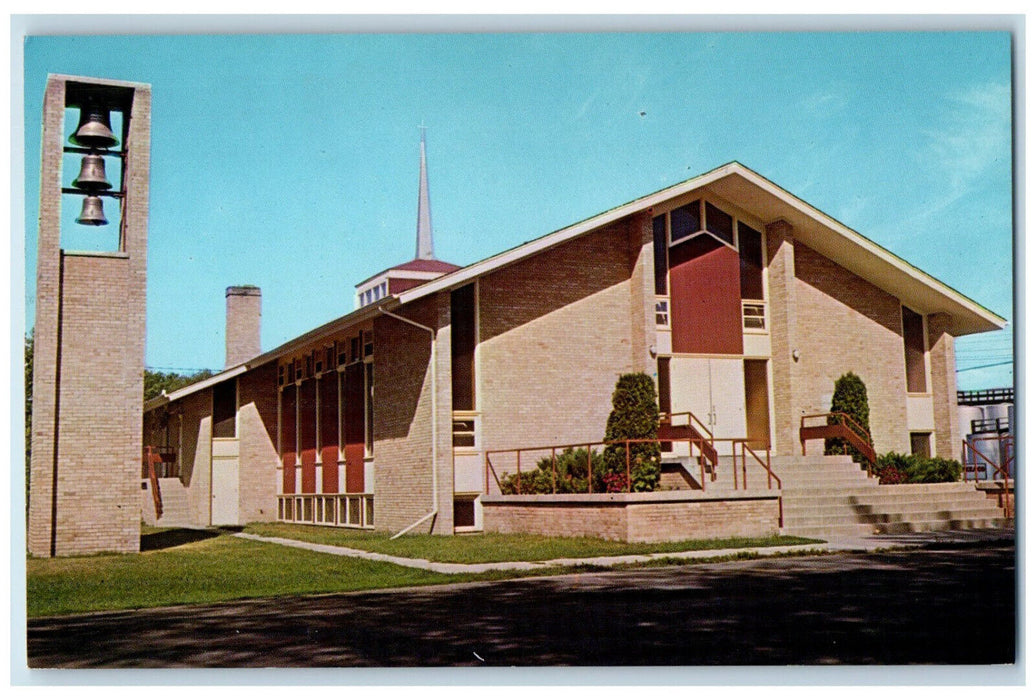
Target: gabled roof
[[769, 202], [733, 182]]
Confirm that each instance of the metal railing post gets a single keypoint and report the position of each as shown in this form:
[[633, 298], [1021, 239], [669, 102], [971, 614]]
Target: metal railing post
[[629, 484], [553, 470]]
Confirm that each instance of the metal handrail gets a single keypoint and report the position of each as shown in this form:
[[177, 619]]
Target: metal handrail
[[1004, 496], [692, 442], [150, 457], [846, 429], [695, 424], [667, 418]]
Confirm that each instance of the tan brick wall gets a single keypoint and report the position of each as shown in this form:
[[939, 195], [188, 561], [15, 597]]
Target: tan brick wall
[[257, 436], [554, 336], [633, 521], [402, 418], [660, 522], [780, 256], [196, 454], [843, 324], [244, 312], [642, 295], [89, 362], [944, 387]]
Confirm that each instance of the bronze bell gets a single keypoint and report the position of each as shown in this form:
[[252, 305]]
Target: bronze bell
[[95, 128], [93, 212], [91, 175]]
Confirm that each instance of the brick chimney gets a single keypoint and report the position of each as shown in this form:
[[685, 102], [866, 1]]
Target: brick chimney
[[244, 310]]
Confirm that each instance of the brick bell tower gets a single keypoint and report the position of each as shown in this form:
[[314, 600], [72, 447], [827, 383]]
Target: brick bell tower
[[85, 470]]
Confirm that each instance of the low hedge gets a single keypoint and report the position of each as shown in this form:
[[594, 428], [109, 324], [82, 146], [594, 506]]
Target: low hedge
[[895, 468]]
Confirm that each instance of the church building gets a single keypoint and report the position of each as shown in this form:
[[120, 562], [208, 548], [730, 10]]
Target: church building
[[741, 300]]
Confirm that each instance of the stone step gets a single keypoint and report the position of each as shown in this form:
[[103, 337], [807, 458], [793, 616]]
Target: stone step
[[920, 514], [827, 531], [891, 516], [934, 525], [795, 507]]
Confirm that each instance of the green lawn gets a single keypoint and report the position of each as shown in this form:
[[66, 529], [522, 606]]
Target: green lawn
[[478, 548], [217, 568], [188, 566]]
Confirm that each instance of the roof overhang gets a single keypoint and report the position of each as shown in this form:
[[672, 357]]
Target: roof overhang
[[330, 328], [768, 202]]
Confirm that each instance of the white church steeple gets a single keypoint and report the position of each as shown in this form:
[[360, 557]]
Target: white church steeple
[[425, 249]]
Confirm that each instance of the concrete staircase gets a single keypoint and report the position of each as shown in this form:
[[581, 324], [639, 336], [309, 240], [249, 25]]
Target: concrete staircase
[[175, 505], [831, 496]]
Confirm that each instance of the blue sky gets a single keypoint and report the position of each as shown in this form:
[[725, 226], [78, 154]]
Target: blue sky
[[291, 162]]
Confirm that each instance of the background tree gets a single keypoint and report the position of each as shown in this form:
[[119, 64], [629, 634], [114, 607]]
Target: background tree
[[850, 397], [156, 382], [634, 416]]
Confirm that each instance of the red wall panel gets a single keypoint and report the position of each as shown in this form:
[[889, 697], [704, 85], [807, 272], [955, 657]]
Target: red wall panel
[[308, 435], [329, 431], [705, 292], [352, 398], [288, 438]]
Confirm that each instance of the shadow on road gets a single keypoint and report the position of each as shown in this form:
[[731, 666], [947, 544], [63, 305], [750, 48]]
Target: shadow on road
[[947, 606]]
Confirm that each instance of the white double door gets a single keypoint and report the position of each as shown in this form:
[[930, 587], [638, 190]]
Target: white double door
[[713, 389]]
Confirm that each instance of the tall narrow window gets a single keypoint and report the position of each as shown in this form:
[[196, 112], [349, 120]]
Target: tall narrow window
[[751, 246], [224, 409], [913, 348], [462, 347], [368, 398], [661, 260]]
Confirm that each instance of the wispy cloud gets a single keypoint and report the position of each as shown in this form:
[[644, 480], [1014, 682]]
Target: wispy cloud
[[828, 101], [973, 138]]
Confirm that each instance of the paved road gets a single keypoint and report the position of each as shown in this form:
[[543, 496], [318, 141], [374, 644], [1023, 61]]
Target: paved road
[[948, 605]]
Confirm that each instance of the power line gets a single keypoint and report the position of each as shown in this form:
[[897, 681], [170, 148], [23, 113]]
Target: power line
[[995, 364]]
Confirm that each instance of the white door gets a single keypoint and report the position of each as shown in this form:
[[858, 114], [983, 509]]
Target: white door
[[713, 389], [224, 490]]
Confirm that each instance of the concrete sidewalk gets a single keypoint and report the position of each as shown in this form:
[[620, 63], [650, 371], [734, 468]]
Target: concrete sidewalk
[[840, 544]]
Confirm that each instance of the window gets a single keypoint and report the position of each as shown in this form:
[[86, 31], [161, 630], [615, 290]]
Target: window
[[719, 223], [464, 511], [368, 403], [921, 444], [685, 221], [750, 245], [224, 409], [691, 219], [754, 316], [463, 433], [913, 351], [661, 258], [662, 313], [462, 347]]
